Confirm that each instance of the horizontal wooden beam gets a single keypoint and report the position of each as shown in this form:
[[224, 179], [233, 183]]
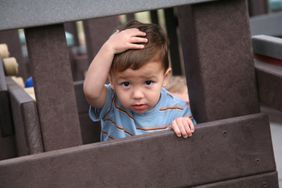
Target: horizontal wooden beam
[[260, 180], [219, 150], [268, 46], [29, 13], [268, 24]]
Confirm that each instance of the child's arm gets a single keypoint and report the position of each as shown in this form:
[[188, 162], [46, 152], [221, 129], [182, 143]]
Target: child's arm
[[96, 76], [183, 126]]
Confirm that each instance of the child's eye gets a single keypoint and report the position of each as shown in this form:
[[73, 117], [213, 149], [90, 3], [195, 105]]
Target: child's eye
[[149, 82], [125, 84]]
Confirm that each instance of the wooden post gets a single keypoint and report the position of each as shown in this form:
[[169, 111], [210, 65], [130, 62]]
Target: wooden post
[[171, 28], [218, 59], [53, 86]]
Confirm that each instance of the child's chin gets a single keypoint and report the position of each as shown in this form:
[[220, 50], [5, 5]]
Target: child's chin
[[139, 111]]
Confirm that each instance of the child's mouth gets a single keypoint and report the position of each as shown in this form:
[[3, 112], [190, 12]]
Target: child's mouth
[[139, 107]]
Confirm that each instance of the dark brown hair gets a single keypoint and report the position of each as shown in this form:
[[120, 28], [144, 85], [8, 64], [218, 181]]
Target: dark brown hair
[[155, 49]]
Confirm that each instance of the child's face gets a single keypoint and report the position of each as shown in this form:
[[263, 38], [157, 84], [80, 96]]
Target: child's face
[[139, 90]]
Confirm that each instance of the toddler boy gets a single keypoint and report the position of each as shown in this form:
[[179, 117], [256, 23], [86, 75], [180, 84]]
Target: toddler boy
[[134, 60]]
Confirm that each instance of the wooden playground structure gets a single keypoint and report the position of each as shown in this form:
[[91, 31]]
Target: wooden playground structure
[[50, 141]]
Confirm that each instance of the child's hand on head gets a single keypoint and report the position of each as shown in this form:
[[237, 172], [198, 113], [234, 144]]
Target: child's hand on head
[[183, 126], [121, 41]]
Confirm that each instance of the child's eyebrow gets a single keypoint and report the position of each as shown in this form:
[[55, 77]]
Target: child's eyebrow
[[148, 76], [143, 77], [122, 77]]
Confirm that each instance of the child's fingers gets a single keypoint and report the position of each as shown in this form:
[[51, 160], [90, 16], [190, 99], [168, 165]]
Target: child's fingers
[[136, 32], [176, 129], [133, 32], [187, 127], [181, 125], [138, 40], [191, 125], [136, 46]]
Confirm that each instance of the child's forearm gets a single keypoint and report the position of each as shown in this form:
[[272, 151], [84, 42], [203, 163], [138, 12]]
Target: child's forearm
[[97, 73]]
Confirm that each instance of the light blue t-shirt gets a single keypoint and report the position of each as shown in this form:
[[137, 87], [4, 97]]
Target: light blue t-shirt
[[118, 122]]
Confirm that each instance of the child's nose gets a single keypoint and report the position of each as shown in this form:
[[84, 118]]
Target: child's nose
[[137, 94]]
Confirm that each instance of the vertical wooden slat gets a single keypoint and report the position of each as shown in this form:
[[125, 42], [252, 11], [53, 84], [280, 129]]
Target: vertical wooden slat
[[7, 140], [154, 16], [71, 28], [171, 28], [218, 59], [53, 86], [97, 32], [6, 121], [257, 7], [25, 117], [130, 16], [90, 131]]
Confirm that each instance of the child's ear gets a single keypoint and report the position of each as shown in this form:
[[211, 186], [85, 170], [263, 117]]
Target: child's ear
[[167, 76]]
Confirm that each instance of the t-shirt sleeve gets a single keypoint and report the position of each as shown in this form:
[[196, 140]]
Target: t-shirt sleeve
[[96, 114]]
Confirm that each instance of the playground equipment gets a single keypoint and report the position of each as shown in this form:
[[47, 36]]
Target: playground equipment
[[4, 52], [231, 148], [10, 64], [269, 69]]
